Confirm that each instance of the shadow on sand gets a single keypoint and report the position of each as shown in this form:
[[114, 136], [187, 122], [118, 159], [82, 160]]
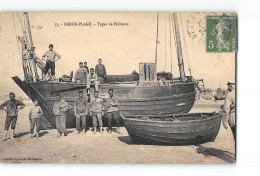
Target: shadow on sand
[[43, 133], [223, 155], [21, 134], [126, 139]]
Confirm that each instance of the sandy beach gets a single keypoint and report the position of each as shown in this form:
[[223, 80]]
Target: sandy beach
[[111, 148]]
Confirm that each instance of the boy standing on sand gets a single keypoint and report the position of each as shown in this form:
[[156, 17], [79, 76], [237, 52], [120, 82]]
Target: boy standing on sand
[[34, 118], [96, 109]]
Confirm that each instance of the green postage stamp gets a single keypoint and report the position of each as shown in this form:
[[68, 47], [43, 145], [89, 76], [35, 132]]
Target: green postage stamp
[[221, 33]]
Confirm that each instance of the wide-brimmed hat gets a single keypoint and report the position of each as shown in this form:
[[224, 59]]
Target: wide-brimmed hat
[[231, 82]]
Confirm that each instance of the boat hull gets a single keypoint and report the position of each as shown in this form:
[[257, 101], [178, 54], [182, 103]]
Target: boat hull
[[138, 100], [190, 132]]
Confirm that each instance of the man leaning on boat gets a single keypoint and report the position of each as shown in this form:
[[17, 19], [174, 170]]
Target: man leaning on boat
[[230, 108], [59, 108]]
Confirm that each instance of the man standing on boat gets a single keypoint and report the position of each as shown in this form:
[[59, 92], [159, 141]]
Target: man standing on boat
[[80, 111], [112, 112], [81, 74], [101, 72], [230, 108], [59, 108], [50, 57], [86, 66], [96, 110], [11, 107], [92, 79]]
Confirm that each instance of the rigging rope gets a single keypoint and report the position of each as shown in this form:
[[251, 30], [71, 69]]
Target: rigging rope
[[185, 47], [170, 40], [165, 43], [16, 37]]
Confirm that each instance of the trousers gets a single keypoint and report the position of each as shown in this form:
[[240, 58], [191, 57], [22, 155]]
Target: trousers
[[61, 123], [35, 121], [10, 120], [96, 116], [232, 119], [101, 79], [113, 116], [82, 119], [49, 65], [95, 83]]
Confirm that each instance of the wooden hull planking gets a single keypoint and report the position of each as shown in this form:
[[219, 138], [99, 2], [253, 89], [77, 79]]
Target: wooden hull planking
[[137, 100], [173, 133]]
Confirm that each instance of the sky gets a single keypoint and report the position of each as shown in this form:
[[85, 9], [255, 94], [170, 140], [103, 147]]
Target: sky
[[121, 47]]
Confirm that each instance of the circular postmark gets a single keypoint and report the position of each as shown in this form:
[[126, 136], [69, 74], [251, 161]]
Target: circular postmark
[[196, 26]]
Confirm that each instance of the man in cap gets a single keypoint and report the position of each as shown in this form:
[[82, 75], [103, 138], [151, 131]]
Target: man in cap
[[81, 74], [35, 114], [50, 57], [59, 108], [11, 107], [230, 108], [96, 110], [112, 112], [100, 71], [80, 111]]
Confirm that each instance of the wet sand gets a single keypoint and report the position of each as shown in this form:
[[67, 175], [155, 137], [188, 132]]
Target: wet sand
[[111, 148]]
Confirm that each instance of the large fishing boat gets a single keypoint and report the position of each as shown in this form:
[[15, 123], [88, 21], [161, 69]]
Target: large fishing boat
[[138, 94]]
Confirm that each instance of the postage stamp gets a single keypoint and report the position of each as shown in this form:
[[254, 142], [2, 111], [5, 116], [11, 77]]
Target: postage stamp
[[221, 33]]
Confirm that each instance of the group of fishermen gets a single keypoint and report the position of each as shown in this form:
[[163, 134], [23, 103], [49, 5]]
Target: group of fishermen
[[83, 73], [94, 77], [82, 110]]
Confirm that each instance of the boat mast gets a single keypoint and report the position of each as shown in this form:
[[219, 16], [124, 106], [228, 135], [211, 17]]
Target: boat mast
[[178, 48], [156, 46]]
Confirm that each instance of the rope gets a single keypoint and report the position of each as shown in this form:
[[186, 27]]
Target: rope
[[17, 42], [16, 37], [170, 40], [165, 42], [185, 47]]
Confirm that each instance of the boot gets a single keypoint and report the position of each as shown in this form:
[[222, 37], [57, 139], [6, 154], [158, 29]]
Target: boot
[[234, 131], [88, 92], [95, 130], [118, 130]]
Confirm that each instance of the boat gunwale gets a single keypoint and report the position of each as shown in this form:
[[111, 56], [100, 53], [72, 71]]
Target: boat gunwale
[[170, 122], [184, 133], [207, 123], [111, 84]]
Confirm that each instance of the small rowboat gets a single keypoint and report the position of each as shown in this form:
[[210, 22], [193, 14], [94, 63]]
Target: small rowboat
[[179, 129]]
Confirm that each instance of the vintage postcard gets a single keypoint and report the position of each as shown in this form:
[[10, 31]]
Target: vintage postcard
[[121, 87]]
